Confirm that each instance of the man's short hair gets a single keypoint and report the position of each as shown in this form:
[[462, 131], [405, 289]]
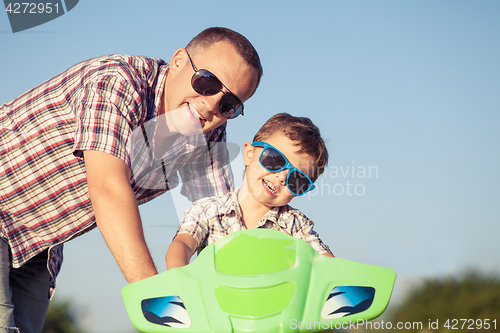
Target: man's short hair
[[301, 130], [242, 45]]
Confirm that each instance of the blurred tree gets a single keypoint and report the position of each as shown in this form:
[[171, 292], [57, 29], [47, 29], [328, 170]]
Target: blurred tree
[[443, 304], [61, 318]]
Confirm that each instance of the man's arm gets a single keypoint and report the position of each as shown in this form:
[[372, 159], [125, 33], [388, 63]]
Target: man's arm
[[117, 214], [180, 251]]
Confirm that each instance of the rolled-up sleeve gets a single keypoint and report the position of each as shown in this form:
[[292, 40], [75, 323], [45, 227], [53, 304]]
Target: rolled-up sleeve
[[194, 223], [304, 230], [104, 117]]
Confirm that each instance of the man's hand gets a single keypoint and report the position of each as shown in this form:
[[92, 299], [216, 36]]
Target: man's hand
[[180, 251], [117, 214]]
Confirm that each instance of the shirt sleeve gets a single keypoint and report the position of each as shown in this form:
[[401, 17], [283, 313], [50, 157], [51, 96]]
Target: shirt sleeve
[[304, 230], [105, 117], [194, 223], [208, 173]]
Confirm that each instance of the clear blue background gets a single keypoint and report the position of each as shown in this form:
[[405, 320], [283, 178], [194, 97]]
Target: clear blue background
[[409, 88]]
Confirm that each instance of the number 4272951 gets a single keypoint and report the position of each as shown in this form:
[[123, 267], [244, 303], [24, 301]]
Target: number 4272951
[[470, 324], [32, 8]]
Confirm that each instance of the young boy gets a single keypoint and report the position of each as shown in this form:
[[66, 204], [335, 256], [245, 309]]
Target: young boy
[[286, 157]]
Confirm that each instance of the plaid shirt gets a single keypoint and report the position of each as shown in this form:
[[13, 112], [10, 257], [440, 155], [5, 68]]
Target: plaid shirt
[[109, 104], [210, 219]]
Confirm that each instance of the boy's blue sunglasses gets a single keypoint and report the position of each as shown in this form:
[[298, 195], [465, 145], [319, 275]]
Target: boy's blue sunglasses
[[274, 161]]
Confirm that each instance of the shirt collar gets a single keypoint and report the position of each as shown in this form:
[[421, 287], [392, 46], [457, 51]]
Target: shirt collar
[[160, 88], [274, 215]]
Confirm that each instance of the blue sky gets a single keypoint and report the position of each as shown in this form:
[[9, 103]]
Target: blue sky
[[408, 89]]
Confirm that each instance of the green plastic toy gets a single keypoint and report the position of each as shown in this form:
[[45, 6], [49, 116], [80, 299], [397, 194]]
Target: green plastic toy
[[259, 280]]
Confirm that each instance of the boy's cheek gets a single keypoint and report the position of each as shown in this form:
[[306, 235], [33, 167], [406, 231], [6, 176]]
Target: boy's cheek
[[288, 195], [255, 169]]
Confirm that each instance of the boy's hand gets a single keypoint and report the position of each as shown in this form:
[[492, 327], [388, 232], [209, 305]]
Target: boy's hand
[[180, 251]]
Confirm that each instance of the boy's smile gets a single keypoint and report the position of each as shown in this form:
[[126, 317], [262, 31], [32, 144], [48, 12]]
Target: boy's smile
[[270, 187]]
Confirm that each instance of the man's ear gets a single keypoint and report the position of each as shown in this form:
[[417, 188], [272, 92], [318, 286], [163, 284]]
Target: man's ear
[[248, 150], [178, 59]]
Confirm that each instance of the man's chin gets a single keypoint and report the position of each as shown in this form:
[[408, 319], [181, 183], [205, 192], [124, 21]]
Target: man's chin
[[184, 122], [188, 129], [207, 127]]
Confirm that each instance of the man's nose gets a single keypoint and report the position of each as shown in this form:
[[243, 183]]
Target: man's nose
[[212, 102]]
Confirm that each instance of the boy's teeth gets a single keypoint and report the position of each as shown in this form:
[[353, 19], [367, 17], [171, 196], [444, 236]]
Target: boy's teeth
[[269, 186]]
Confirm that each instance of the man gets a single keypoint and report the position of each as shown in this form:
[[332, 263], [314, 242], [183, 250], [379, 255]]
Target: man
[[89, 145]]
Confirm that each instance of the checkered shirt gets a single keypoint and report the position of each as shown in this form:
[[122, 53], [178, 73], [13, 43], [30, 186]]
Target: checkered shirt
[[210, 219], [108, 104]]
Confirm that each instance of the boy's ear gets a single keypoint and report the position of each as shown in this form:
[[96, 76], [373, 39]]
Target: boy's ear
[[248, 150]]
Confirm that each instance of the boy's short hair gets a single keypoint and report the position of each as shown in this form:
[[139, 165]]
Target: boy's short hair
[[304, 132], [242, 45]]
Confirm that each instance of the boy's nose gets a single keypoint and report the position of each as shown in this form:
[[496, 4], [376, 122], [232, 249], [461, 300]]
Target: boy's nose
[[282, 175]]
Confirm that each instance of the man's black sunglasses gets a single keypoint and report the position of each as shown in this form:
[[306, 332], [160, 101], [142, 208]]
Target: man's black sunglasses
[[207, 84]]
